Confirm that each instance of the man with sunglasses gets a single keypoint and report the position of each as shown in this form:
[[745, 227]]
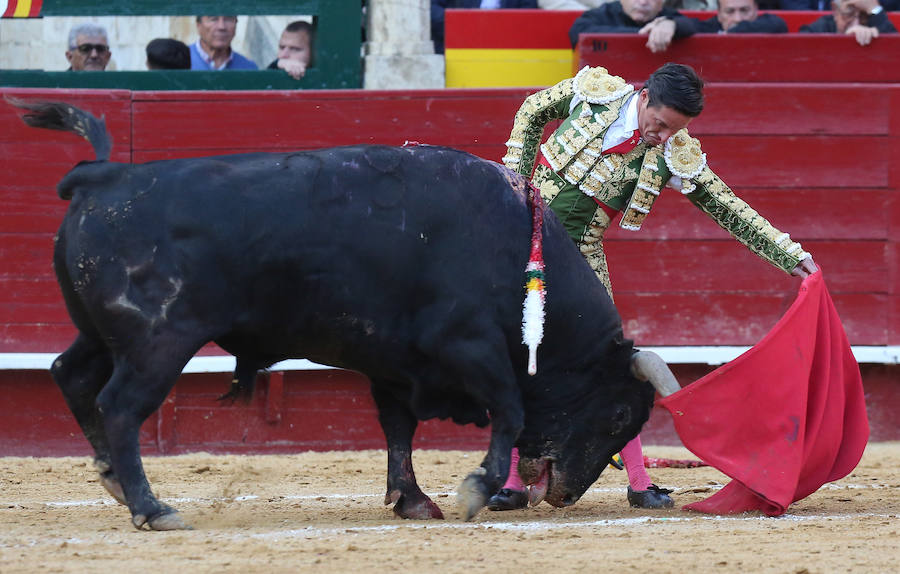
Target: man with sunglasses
[[88, 48]]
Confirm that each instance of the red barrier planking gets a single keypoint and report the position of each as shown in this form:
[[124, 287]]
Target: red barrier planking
[[309, 120], [794, 109], [325, 410], [724, 265], [787, 58], [549, 29], [679, 281], [800, 161], [738, 319]]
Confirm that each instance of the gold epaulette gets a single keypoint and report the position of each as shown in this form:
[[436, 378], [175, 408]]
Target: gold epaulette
[[646, 191], [598, 86], [684, 158]]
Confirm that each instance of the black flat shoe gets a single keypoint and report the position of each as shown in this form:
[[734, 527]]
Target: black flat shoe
[[653, 497], [508, 499]]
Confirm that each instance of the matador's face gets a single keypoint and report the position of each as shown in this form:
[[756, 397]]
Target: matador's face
[[658, 123]]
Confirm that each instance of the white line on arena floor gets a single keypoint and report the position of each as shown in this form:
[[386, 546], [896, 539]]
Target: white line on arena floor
[[542, 525], [337, 496]]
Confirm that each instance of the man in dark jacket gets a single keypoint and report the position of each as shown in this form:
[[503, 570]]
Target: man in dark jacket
[[738, 17], [646, 17], [864, 19]]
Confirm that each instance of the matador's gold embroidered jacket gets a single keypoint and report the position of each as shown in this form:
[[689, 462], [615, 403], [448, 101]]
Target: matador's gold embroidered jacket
[[631, 182]]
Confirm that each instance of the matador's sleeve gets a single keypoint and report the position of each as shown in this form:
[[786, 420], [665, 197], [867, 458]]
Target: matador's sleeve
[[528, 126], [708, 192]]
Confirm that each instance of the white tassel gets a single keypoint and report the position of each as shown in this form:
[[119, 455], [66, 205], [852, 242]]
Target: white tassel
[[533, 326]]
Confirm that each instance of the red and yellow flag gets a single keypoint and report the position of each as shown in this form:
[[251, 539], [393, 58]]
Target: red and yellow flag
[[20, 8]]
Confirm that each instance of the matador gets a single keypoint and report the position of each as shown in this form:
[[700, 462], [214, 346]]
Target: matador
[[615, 151]]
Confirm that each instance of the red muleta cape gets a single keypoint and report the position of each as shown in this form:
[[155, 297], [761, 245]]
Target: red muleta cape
[[782, 419]]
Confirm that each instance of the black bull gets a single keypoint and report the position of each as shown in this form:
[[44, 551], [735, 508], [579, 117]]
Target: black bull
[[405, 264]]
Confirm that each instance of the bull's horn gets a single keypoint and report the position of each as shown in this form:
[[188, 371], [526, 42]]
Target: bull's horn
[[648, 366]]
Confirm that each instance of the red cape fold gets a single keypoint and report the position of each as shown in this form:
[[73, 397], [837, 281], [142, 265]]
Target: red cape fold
[[782, 419]]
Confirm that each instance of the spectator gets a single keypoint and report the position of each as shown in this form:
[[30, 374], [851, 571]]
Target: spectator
[[739, 17], [646, 17], [294, 49], [213, 50], [439, 6], [864, 19], [88, 48], [168, 54]]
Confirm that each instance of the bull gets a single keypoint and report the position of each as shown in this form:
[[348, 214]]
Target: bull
[[404, 264]]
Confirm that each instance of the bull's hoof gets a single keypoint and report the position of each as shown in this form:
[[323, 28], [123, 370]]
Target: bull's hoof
[[413, 507], [473, 494], [109, 481], [170, 520], [112, 486]]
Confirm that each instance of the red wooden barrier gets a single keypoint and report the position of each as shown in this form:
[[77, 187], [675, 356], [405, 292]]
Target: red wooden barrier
[[814, 158], [321, 410], [549, 29], [826, 58], [774, 144]]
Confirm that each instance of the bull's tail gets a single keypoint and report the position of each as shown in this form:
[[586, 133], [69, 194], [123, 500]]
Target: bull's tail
[[67, 118]]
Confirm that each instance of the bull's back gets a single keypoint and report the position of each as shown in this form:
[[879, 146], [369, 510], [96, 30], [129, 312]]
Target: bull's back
[[366, 239]]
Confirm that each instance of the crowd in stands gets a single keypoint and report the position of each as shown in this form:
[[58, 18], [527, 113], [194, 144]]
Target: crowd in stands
[[662, 22], [89, 50]]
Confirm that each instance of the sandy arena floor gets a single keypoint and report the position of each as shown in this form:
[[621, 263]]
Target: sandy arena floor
[[323, 512]]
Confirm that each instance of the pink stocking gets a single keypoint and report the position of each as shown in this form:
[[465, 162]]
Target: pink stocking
[[633, 457], [513, 482]]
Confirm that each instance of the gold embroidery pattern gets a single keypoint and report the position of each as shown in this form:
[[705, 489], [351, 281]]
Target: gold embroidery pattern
[[545, 182], [591, 247], [528, 125], [581, 134], [598, 86], [646, 190], [615, 185], [743, 222]]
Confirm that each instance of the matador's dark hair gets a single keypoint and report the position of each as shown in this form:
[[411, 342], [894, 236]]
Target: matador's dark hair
[[676, 86]]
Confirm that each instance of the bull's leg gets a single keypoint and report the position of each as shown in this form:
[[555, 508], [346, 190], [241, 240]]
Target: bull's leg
[[133, 393], [80, 373], [399, 425], [486, 480], [474, 354]]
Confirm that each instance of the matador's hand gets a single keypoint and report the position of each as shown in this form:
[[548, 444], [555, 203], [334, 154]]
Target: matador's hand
[[805, 268]]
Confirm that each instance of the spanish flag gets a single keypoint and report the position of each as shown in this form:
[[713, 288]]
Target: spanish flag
[[20, 8]]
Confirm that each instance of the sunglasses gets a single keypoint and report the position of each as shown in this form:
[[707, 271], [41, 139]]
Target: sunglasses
[[88, 48]]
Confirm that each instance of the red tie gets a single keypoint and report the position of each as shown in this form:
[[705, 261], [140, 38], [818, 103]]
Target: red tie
[[626, 146]]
